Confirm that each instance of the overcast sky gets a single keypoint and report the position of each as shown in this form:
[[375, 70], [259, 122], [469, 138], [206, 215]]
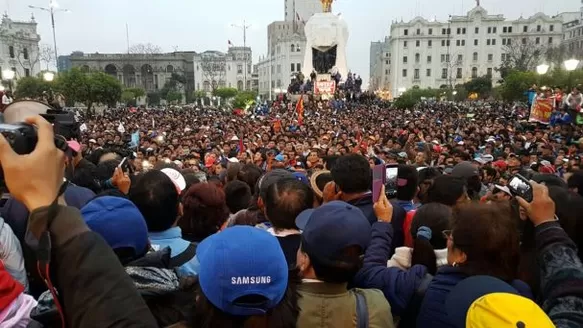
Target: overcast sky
[[100, 25]]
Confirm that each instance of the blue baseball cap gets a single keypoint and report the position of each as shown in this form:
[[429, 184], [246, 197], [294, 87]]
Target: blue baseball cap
[[301, 177], [118, 221], [242, 261], [331, 228]]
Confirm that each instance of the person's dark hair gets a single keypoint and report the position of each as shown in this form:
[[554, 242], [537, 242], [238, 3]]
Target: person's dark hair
[[568, 208], [160, 165], [205, 211], [352, 174], [409, 173], [428, 173], [284, 315], [285, 200], [250, 174], [446, 189], [104, 170], [237, 195], [244, 217], [85, 177], [233, 171], [340, 270], [436, 217], [576, 181], [190, 178], [550, 180], [489, 237], [330, 161], [155, 195]]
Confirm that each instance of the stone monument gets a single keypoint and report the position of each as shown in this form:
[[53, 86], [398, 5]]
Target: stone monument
[[326, 35]]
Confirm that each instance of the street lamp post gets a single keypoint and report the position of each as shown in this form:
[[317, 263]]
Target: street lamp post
[[570, 66], [53, 7], [8, 75], [49, 76], [244, 27], [542, 69]]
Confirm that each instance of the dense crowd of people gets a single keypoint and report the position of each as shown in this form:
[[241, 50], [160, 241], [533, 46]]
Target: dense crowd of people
[[205, 218]]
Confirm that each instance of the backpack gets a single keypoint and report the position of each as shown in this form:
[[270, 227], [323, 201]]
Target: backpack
[[409, 317]]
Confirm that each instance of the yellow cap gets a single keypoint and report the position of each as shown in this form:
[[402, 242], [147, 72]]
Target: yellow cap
[[501, 310]]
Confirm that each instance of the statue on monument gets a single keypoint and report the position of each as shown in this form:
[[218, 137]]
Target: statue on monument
[[326, 5]]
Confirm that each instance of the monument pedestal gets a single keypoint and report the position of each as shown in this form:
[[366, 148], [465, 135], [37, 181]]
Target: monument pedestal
[[326, 39]]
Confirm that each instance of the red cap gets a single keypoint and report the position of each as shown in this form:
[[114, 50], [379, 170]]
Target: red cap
[[500, 164]]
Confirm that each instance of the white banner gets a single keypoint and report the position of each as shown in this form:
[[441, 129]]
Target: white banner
[[324, 87]]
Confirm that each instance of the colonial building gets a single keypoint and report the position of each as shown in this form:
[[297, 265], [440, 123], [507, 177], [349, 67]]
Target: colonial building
[[380, 61], [19, 47], [215, 69], [286, 43], [437, 54], [147, 71], [573, 33]]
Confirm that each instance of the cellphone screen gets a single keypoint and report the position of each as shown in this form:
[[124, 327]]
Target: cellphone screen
[[391, 181], [520, 187], [378, 173]]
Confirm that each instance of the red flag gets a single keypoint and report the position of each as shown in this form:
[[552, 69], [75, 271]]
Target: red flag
[[241, 146], [300, 110]]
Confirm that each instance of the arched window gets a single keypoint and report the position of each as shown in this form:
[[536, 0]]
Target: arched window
[[25, 53], [474, 72], [11, 51], [293, 47], [170, 69], [239, 85]]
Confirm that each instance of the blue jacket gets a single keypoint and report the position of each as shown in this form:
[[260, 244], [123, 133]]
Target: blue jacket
[[397, 285], [432, 313], [365, 204], [173, 238]]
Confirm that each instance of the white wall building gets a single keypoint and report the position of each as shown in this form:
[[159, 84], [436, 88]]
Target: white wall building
[[19, 47], [380, 60], [573, 33], [286, 45], [301, 10], [215, 69], [436, 54]]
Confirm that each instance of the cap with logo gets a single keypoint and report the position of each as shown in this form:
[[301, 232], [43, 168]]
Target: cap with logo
[[239, 263], [485, 302], [176, 178], [331, 228]]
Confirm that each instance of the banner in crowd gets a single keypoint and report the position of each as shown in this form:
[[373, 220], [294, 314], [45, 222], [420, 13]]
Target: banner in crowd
[[325, 87], [541, 110]]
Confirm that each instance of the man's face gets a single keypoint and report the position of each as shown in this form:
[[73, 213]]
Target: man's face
[[420, 157]]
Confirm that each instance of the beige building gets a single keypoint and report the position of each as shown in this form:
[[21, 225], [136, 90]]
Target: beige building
[[19, 47], [215, 69]]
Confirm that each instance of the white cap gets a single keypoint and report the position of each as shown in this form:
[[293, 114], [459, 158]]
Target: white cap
[[480, 160], [176, 178], [503, 188], [233, 160], [235, 138], [488, 158], [92, 141], [435, 142], [491, 139]]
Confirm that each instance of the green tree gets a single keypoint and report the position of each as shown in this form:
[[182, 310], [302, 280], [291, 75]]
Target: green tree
[[137, 92], [480, 85], [243, 98], [104, 89], [31, 87], [173, 96], [154, 98], [173, 86], [74, 85], [412, 96], [225, 93], [128, 98], [515, 84], [198, 94]]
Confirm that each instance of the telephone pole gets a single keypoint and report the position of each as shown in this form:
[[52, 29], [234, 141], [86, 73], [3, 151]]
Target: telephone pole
[[244, 27]]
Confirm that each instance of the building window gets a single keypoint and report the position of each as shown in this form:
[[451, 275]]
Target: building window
[[417, 58], [493, 42], [523, 40], [404, 73], [418, 31], [443, 43], [458, 74], [404, 59], [442, 58], [444, 73], [490, 57], [26, 72], [463, 43], [475, 58], [416, 74], [464, 30], [488, 42], [430, 31], [25, 54], [429, 43], [475, 42], [537, 40], [11, 51], [278, 68], [552, 28], [459, 30], [504, 29], [239, 69], [448, 43], [538, 28], [494, 29], [443, 31], [503, 42], [386, 62], [489, 30], [417, 43], [525, 29], [477, 30], [428, 72], [458, 42], [489, 71], [447, 58], [503, 57], [550, 39], [293, 66], [460, 58], [386, 72], [406, 32], [474, 72], [293, 48], [404, 44], [428, 59], [509, 29]]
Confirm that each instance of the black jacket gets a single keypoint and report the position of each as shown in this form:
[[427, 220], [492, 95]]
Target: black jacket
[[93, 285]]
